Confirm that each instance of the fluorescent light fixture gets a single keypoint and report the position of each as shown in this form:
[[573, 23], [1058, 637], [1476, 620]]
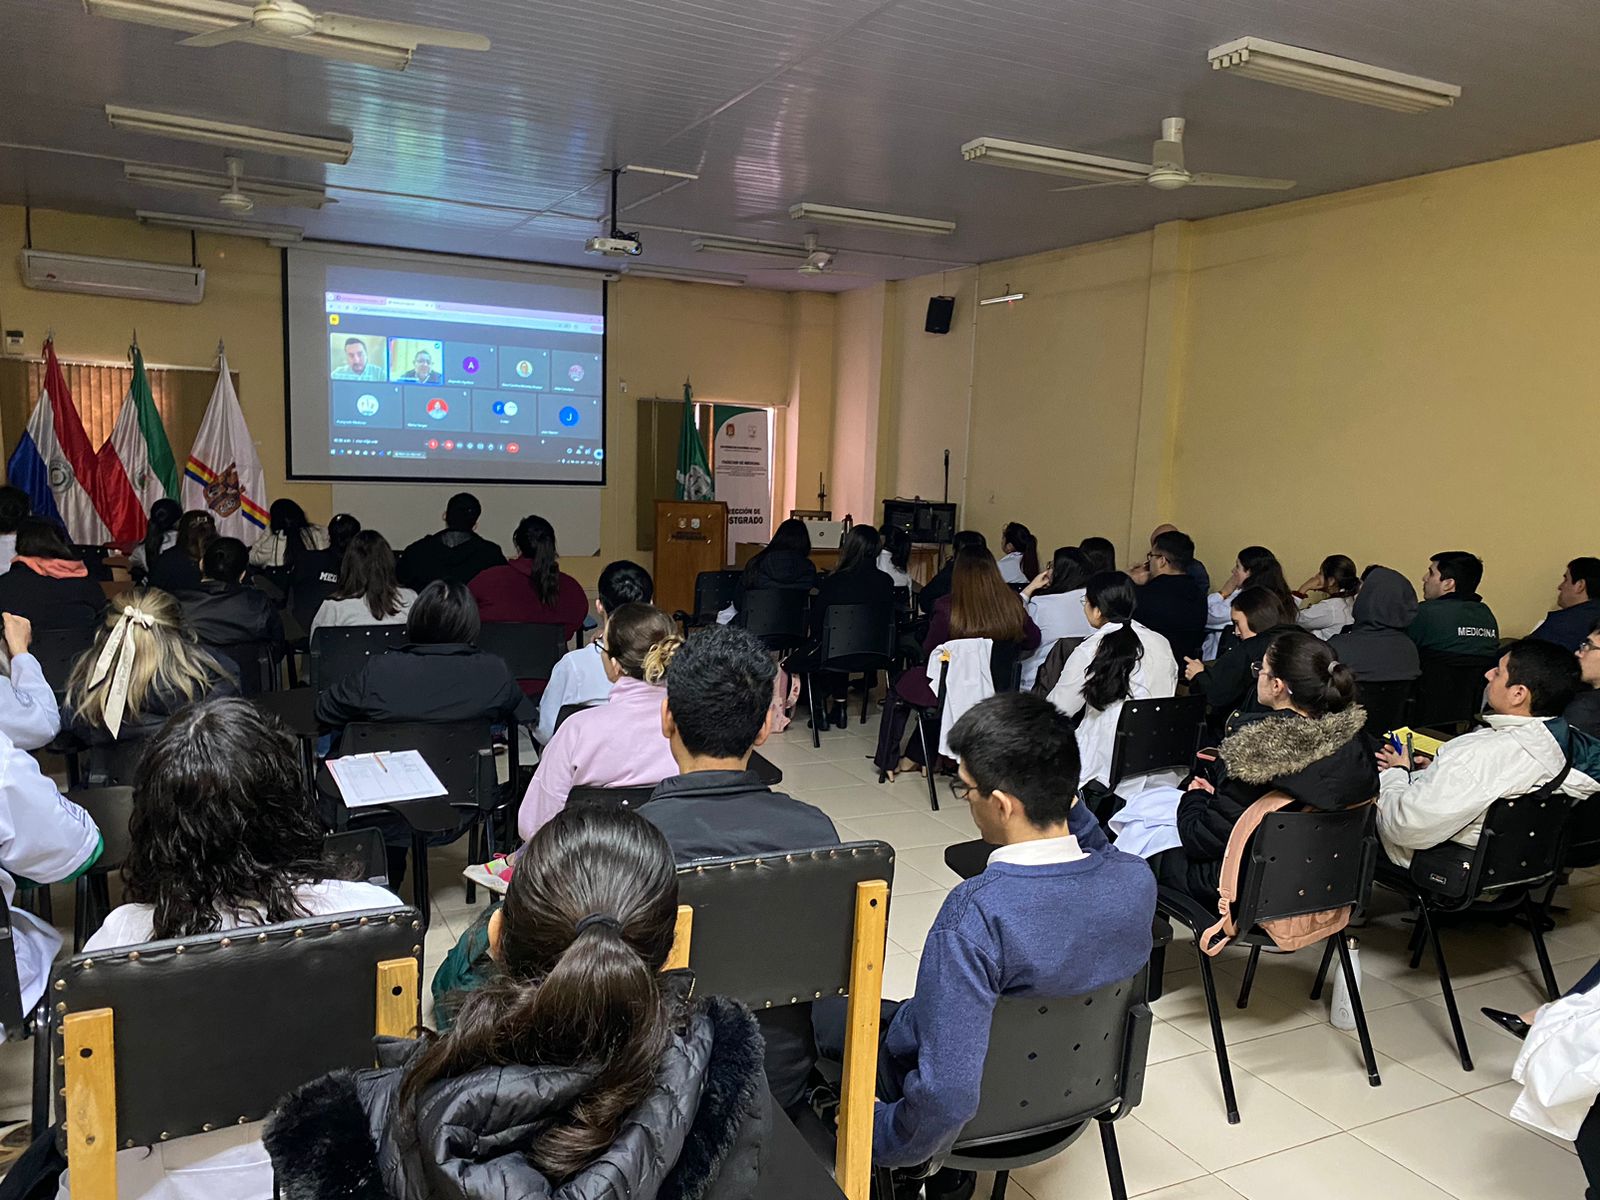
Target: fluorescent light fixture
[[1329, 75], [720, 278], [636, 169], [738, 245], [1008, 298], [888, 222], [253, 229], [266, 191], [234, 137], [208, 16], [1027, 157]]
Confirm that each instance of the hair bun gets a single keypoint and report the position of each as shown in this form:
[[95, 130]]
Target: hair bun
[[660, 656]]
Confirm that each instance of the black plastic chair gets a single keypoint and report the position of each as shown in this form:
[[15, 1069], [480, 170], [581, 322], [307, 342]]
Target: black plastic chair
[[111, 808], [1520, 850], [1449, 692], [258, 663], [1388, 704], [531, 651], [111, 764], [713, 592], [568, 709], [358, 854], [1160, 734], [609, 797], [19, 1024], [1054, 1067], [856, 639], [1297, 863], [777, 616], [57, 650], [338, 651], [779, 929], [178, 1037]]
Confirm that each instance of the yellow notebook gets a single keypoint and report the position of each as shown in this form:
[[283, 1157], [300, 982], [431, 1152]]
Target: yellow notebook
[[1421, 743]]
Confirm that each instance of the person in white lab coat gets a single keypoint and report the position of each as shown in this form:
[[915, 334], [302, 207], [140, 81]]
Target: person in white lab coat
[[580, 677], [1328, 599], [29, 715], [1055, 602], [1019, 560]]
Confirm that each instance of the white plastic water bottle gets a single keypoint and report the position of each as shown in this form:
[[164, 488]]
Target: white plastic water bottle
[[1341, 1012]]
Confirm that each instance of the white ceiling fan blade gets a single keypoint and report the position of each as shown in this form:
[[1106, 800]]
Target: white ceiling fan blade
[[1253, 182], [1084, 187], [397, 33], [221, 37], [1167, 154]]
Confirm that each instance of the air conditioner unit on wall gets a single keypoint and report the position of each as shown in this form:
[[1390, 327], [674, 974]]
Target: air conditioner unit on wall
[[48, 271]]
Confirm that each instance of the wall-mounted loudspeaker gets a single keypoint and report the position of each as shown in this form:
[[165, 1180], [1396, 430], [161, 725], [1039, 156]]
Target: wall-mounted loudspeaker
[[940, 310]]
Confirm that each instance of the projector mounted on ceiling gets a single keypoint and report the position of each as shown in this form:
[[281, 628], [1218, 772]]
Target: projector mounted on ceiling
[[616, 244]]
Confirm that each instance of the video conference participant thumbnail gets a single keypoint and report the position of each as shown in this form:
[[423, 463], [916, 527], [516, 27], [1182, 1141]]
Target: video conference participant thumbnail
[[415, 360], [357, 356]]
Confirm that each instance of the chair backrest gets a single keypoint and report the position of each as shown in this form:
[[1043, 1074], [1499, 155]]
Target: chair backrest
[[1057, 1062], [210, 1031], [1522, 840], [1054, 663], [776, 615], [1306, 862], [57, 650], [460, 753], [115, 763], [857, 637], [1449, 690], [338, 651], [12, 1019], [111, 807], [531, 651], [1156, 735], [713, 592], [257, 663], [617, 797], [1005, 666], [776, 929], [358, 854], [306, 596], [1386, 704], [568, 709]]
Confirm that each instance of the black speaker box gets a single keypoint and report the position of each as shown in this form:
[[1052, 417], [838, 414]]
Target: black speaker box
[[940, 310]]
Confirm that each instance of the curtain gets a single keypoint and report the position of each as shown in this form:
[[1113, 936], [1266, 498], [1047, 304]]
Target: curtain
[[98, 391]]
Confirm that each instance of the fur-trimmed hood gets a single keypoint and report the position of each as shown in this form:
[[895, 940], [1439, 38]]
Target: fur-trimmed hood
[[1323, 761], [696, 1136]]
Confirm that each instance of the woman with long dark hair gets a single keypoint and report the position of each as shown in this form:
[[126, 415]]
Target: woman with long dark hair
[[579, 1063], [1228, 682], [1019, 562], [784, 563], [290, 534], [856, 580], [368, 593], [532, 587], [1328, 599], [1055, 602], [160, 533], [49, 584], [980, 605], [1120, 660], [177, 568], [1256, 566], [894, 560]]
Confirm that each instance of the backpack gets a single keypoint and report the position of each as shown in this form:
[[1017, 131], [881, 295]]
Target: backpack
[[1287, 933]]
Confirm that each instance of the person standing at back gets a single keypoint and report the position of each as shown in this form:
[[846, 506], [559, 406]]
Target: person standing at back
[[581, 677], [455, 553], [1453, 621], [1577, 605], [1170, 602]]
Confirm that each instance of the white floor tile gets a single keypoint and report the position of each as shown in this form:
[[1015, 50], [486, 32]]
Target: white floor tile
[[1335, 1168], [1418, 1035], [803, 780], [900, 975], [910, 918], [1079, 1171], [1499, 1099]]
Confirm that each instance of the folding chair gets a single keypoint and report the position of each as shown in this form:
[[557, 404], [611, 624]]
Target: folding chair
[[779, 929], [855, 639], [1299, 862], [339, 651], [1154, 735], [713, 592], [258, 664], [1005, 673], [1519, 851], [134, 1074], [57, 650], [1054, 1067]]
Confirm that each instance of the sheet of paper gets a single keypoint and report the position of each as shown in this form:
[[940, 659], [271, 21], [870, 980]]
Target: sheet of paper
[[386, 777]]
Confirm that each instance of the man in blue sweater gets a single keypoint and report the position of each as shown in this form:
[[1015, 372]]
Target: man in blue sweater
[[1057, 912]]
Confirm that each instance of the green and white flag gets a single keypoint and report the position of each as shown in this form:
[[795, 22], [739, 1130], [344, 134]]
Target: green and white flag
[[140, 442], [694, 473]]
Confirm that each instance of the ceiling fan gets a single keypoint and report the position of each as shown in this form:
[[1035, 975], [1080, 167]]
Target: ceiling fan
[[1165, 171], [818, 261], [235, 200], [290, 26]]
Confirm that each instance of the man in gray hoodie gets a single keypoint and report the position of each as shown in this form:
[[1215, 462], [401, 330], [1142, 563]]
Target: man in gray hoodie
[[1376, 647]]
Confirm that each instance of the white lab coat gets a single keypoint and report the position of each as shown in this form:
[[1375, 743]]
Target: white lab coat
[[968, 681], [577, 678], [1446, 801], [1219, 619], [1155, 675], [1057, 616], [1011, 568], [29, 715], [1559, 1067], [1327, 617], [886, 565]]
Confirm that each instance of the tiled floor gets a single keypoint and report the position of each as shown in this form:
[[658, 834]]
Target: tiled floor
[[1312, 1128]]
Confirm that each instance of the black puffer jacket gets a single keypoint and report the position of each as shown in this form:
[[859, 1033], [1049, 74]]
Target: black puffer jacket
[[1323, 762], [698, 1136]]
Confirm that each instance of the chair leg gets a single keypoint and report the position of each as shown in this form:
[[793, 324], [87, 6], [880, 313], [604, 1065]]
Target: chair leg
[[882, 1183], [1449, 992], [1215, 1013], [816, 714], [475, 854], [1001, 1179], [1108, 1143], [927, 761], [1322, 971], [866, 694], [419, 878], [1348, 967], [1419, 941], [80, 914], [46, 908], [1551, 987], [1249, 976], [41, 1069]]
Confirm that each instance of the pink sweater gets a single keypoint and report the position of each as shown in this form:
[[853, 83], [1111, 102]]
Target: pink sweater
[[615, 744]]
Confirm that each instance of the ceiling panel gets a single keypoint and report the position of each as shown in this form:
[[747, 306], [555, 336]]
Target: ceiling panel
[[855, 102]]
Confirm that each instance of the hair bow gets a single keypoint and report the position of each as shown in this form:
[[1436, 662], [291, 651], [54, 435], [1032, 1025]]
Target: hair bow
[[117, 699]]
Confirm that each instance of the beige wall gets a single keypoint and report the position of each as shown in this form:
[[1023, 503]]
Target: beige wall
[[858, 353], [925, 403]]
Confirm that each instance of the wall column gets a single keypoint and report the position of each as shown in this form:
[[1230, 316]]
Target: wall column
[[1161, 390]]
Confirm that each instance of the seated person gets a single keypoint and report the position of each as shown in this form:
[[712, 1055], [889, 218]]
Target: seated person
[[290, 534], [1229, 682], [1326, 601], [315, 574], [620, 743], [421, 369], [168, 669], [532, 588], [29, 715], [1050, 916], [1584, 711], [1376, 647], [1522, 749], [356, 364], [937, 588], [580, 676], [222, 836], [222, 611], [49, 584], [1577, 605], [455, 553], [14, 505], [1055, 601], [856, 580], [1102, 555], [178, 566], [161, 533], [367, 592], [784, 563], [1170, 601], [1256, 566], [578, 1068], [1453, 622], [894, 560], [1196, 569], [1019, 555], [1309, 743]]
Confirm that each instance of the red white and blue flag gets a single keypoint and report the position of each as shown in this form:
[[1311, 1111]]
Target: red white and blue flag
[[54, 462]]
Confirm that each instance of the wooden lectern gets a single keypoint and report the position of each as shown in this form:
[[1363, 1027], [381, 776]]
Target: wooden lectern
[[691, 536]]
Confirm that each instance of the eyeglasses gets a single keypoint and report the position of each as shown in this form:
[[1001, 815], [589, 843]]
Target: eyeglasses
[[1585, 646], [961, 789], [1260, 669]]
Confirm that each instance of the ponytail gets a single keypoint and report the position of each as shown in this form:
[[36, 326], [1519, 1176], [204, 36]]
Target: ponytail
[[1021, 538], [1318, 683], [641, 640], [535, 540], [1118, 652]]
